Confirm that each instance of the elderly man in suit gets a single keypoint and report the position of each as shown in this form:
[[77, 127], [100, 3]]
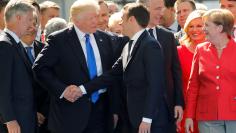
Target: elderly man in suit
[[16, 101], [72, 57]]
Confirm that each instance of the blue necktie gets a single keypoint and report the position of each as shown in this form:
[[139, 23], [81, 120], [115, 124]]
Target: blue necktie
[[29, 53], [91, 65]]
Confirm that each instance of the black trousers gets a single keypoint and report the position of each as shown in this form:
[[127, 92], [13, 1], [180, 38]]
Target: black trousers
[[99, 117], [3, 128]]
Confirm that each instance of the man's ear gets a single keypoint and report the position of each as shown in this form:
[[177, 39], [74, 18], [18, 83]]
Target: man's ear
[[131, 19]]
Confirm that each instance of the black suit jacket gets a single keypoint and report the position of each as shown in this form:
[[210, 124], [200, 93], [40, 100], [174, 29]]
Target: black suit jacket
[[173, 71], [62, 63], [16, 81], [142, 79], [41, 94]]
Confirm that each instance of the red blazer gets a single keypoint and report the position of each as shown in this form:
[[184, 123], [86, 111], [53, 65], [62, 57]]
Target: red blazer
[[212, 85], [185, 58]]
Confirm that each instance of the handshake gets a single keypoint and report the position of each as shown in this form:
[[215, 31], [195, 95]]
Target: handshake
[[72, 93]]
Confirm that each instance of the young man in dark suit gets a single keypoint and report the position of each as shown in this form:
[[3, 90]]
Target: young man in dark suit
[[172, 75], [17, 100], [72, 57], [144, 87]]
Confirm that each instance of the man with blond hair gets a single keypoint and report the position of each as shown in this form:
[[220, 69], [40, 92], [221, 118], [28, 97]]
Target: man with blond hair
[[48, 10], [72, 57], [183, 8], [17, 112]]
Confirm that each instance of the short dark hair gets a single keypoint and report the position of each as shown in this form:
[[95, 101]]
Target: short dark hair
[[140, 13], [3, 4], [169, 3], [35, 4]]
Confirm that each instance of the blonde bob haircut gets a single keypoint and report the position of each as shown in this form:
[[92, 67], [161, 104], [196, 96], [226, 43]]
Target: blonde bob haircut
[[221, 17], [193, 15], [81, 6]]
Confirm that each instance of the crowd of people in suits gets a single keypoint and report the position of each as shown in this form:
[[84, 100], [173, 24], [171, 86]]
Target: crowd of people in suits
[[155, 66]]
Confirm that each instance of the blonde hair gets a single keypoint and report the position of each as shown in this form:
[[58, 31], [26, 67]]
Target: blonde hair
[[48, 4], [114, 18], [193, 15], [81, 6], [221, 17]]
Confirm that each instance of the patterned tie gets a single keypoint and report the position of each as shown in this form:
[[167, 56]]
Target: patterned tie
[[91, 65], [29, 54]]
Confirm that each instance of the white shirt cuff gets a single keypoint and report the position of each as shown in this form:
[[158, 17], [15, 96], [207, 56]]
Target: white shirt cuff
[[147, 120], [82, 89], [62, 95]]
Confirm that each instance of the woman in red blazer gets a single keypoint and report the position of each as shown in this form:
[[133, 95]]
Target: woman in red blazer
[[194, 35], [211, 95]]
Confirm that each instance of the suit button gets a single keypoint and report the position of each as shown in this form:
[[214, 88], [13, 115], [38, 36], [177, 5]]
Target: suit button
[[217, 87], [217, 77], [217, 67]]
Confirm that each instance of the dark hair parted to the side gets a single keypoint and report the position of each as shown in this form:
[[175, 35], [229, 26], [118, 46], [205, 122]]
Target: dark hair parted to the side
[[140, 13]]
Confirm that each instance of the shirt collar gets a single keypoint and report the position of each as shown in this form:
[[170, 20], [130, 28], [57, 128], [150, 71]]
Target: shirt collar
[[136, 35], [174, 26], [25, 45], [16, 38], [79, 33]]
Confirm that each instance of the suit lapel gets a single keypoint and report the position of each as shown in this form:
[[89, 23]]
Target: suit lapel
[[158, 37], [77, 48], [21, 53], [101, 48], [37, 48], [135, 48]]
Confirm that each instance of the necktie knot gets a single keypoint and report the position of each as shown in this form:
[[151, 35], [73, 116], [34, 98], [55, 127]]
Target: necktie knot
[[28, 48], [87, 36], [151, 32]]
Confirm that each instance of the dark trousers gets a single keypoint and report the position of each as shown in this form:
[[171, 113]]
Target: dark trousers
[[43, 128], [3, 128], [98, 120], [163, 124]]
